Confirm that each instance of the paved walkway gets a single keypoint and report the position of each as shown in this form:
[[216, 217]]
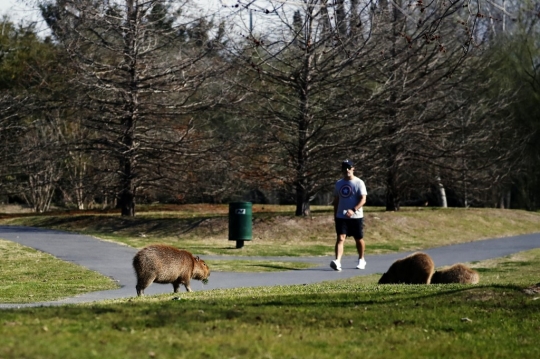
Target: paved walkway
[[114, 260]]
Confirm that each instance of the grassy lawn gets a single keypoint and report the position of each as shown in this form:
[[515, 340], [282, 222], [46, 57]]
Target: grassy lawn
[[498, 318], [28, 275], [354, 317]]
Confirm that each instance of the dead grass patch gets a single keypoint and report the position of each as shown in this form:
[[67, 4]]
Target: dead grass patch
[[205, 225]]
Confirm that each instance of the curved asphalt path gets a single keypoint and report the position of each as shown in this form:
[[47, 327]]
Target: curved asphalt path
[[114, 260]]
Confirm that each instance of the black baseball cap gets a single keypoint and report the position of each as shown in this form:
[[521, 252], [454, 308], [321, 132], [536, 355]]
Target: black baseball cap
[[347, 164]]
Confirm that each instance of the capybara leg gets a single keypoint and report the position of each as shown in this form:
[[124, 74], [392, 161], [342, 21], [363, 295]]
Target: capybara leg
[[183, 281], [142, 284], [186, 285]]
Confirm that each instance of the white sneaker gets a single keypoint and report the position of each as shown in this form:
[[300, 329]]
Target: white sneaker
[[335, 265], [361, 264]]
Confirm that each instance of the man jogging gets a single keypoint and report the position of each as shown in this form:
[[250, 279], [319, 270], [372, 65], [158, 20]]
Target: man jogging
[[349, 198]]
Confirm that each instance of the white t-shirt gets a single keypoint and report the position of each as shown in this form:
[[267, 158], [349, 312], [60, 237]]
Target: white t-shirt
[[349, 193]]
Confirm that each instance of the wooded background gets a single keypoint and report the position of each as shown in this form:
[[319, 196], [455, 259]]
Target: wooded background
[[140, 101]]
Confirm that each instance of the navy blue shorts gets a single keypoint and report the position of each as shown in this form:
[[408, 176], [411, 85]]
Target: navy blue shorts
[[351, 227]]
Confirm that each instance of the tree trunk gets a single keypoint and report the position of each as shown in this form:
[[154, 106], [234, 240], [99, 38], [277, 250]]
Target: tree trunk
[[393, 197], [442, 193], [504, 200], [392, 202], [302, 198], [393, 192], [302, 203], [127, 192], [126, 203]]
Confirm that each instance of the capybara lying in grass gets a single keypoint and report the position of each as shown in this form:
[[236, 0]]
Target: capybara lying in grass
[[414, 269], [161, 263], [458, 273]]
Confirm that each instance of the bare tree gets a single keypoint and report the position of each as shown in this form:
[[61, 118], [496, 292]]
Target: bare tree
[[41, 166], [30, 165], [145, 71], [307, 95], [486, 148], [515, 66], [364, 79]]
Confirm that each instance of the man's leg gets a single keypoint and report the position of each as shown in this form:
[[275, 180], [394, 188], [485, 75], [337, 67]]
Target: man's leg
[[336, 264], [360, 247], [340, 242]]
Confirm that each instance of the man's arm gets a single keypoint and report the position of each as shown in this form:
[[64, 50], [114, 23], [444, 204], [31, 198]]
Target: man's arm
[[335, 203], [361, 203]]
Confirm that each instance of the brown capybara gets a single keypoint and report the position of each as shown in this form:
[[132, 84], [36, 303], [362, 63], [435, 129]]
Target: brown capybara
[[458, 273], [161, 263], [416, 268]]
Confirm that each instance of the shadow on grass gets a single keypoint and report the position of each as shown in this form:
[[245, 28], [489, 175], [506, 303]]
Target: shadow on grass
[[130, 226], [275, 267], [393, 294]]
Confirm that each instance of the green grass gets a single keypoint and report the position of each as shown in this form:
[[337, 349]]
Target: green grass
[[28, 275], [353, 317]]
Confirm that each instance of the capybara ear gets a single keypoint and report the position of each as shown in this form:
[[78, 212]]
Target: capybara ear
[[197, 258]]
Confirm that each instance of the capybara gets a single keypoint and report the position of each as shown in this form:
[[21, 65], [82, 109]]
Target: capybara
[[161, 263], [458, 273], [416, 268]]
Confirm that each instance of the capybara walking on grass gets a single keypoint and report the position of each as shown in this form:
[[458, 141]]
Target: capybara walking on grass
[[458, 273], [414, 269], [161, 263]]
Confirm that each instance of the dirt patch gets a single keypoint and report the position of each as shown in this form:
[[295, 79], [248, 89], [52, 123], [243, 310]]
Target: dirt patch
[[14, 208], [533, 289]]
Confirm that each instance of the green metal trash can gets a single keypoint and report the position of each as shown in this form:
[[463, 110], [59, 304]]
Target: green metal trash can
[[240, 222]]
